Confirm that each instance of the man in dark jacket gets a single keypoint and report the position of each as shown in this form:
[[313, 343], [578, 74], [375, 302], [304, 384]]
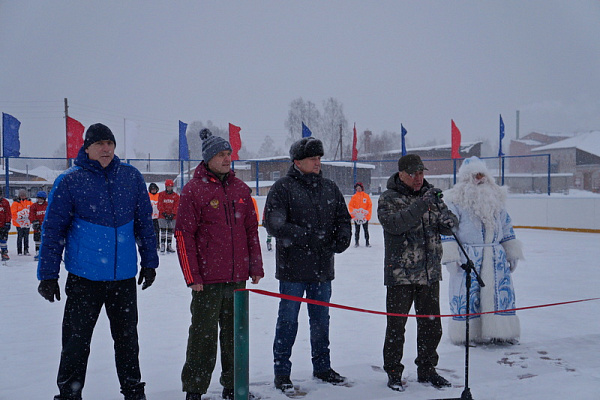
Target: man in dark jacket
[[307, 214], [98, 211], [413, 216], [219, 249]]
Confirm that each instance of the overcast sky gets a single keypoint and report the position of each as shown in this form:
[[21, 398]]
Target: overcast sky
[[419, 63]]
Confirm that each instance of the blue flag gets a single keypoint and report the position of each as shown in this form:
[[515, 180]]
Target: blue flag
[[305, 131], [500, 153], [184, 152], [404, 132], [10, 136]]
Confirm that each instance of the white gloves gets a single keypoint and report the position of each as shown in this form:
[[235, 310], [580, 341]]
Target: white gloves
[[512, 264]]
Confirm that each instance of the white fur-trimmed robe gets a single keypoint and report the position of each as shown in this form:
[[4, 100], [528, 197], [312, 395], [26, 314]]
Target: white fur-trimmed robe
[[489, 249]]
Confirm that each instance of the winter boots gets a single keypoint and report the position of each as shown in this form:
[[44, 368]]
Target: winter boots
[[5, 256], [170, 249]]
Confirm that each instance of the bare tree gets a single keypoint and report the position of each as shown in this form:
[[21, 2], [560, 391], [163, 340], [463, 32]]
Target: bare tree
[[332, 122], [268, 149], [302, 112]]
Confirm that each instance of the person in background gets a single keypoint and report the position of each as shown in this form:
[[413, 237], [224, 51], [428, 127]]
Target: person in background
[[20, 218], [413, 218], [269, 237], [98, 214], [486, 233], [168, 202], [37, 211], [5, 218], [307, 214], [153, 193], [219, 250], [360, 208]]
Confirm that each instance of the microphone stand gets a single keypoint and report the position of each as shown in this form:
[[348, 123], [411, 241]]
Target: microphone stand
[[468, 267]]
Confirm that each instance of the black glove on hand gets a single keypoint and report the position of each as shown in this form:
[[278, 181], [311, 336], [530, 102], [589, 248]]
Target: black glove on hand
[[432, 196], [169, 217], [49, 289], [147, 275], [7, 226], [36, 225]]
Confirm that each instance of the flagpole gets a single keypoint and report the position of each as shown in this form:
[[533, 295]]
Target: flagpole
[[125, 138], [67, 132]]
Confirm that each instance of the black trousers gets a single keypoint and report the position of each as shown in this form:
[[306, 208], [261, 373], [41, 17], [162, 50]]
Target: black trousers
[[399, 299], [357, 231], [85, 299], [22, 240]]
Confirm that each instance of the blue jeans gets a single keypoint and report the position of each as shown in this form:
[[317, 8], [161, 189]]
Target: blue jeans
[[287, 325]]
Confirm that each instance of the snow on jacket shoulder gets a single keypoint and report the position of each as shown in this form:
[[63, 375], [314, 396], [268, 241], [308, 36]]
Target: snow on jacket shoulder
[[217, 230], [97, 215]]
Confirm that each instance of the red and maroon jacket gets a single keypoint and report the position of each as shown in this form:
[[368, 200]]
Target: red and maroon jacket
[[37, 212], [168, 203], [217, 230], [5, 213]]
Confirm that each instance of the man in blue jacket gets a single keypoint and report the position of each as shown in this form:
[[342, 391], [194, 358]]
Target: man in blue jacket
[[97, 212]]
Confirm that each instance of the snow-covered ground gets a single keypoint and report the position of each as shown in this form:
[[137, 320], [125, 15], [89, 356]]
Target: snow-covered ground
[[557, 357]]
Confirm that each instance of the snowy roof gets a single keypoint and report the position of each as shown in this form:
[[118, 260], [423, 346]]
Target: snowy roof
[[349, 164], [528, 142], [589, 142], [466, 146]]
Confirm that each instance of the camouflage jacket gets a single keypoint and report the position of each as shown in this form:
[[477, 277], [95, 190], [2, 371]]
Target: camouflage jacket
[[411, 230]]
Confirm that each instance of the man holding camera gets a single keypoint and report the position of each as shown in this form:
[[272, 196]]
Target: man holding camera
[[413, 217]]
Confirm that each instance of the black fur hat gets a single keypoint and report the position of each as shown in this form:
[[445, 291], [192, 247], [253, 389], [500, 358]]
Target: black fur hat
[[306, 147]]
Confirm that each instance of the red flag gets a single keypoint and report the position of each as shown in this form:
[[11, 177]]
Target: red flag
[[354, 149], [455, 141], [74, 137], [235, 141]]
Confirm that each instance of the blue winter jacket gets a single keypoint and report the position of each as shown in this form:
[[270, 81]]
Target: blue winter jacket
[[97, 215]]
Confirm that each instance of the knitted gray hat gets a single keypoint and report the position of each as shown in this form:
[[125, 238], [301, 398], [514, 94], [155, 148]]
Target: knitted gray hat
[[212, 145]]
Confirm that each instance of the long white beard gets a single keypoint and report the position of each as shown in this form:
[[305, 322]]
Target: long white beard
[[485, 201]]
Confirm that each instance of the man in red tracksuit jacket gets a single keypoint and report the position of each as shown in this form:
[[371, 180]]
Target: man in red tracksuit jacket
[[219, 249], [168, 202]]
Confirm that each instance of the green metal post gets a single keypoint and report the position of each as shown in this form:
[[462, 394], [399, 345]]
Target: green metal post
[[241, 344]]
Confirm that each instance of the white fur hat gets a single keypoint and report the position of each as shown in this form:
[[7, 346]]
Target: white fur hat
[[473, 166]]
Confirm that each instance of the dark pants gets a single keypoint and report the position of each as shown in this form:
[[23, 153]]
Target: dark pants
[[429, 331], [85, 299], [212, 308], [22, 240], [156, 232], [357, 231], [287, 326]]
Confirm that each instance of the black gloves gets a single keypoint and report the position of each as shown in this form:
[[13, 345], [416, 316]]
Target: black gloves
[[36, 225], [147, 275], [168, 217], [432, 196], [49, 289], [6, 227]]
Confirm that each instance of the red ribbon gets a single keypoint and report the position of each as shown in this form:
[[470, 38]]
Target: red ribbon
[[325, 304]]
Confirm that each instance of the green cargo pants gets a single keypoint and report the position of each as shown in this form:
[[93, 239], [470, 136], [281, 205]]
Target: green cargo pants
[[211, 309]]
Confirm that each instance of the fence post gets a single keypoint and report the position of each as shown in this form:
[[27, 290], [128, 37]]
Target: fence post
[[241, 345]]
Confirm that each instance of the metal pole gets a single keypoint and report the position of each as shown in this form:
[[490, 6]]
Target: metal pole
[[67, 130], [241, 344]]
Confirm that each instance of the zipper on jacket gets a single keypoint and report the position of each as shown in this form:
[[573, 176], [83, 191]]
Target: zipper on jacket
[[112, 203]]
